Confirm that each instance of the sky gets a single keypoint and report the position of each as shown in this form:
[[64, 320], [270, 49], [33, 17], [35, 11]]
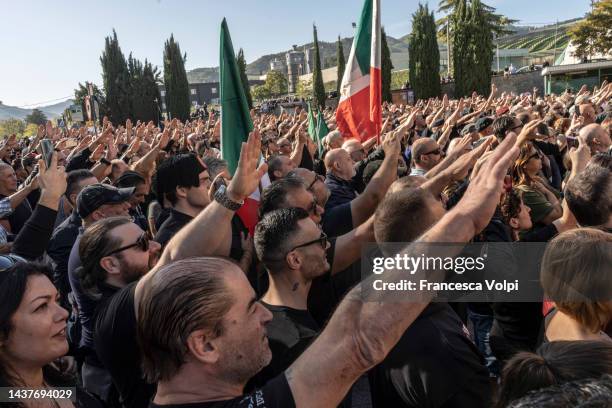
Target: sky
[[47, 47]]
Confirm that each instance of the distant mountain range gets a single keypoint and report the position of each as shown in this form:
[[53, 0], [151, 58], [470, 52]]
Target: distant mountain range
[[51, 111]]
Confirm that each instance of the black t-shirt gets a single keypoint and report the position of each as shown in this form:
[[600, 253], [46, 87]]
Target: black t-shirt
[[117, 348], [289, 332], [275, 394], [338, 220], [171, 226], [434, 364]]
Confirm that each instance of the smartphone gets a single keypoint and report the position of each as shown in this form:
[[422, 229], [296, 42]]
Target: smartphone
[[46, 146]]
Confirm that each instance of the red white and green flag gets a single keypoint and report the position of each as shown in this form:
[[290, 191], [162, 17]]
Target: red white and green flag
[[359, 113], [236, 120]]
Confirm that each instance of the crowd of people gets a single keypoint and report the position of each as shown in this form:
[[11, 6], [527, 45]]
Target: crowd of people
[[129, 272]]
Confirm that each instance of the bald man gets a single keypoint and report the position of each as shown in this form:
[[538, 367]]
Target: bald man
[[425, 155], [596, 137]]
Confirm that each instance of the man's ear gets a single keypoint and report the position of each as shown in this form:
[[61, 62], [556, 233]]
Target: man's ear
[[202, 347], [514, 223], [181, 192], [294, 261], [111, 265]]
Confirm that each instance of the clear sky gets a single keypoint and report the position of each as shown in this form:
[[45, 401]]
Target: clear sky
[[47, 47]]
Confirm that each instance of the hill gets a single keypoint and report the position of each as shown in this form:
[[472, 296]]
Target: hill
[[51, 111]]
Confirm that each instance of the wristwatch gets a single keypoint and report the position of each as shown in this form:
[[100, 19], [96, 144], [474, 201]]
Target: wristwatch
[[105, 161], [222, 198]]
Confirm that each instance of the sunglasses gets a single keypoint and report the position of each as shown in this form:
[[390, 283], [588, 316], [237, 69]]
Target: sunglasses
[[322, 240], [142, 243], [311, 185]]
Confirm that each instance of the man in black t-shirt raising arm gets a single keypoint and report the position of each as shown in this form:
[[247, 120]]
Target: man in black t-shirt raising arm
[[203, 331]]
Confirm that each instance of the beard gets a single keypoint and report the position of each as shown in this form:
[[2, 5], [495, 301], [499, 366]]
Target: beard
[[131, 272], [245, 359]]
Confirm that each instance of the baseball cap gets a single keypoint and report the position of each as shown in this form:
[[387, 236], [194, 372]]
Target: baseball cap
[[96, 195], [483, 123]]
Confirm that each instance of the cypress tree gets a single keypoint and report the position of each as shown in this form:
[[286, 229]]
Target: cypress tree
[[151, 92], [241, 62], [482, 46], [341, 64], [385, 67], [318, 88], [424, 63], [116, 81], [461, 39], [175, 81]]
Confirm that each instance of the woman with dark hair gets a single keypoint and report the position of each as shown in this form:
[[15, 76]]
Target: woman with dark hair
[[554, 363], [33, 333], [537, 194]]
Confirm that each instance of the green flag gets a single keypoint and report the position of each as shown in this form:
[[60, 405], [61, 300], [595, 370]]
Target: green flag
[[321, 132], [236, 120], [312, 125]]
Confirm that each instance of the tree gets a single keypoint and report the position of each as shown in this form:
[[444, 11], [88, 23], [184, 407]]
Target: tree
[[37, 117], [175, 80], [304, 88], [116, 80], [424, 62], [385, 67], [318, 89], [12, 126], [144, 92], [593, 35], [500, 23], [241, 61], [463, 60], [482, 48], [341, 64], [261, 92], [276, 82]]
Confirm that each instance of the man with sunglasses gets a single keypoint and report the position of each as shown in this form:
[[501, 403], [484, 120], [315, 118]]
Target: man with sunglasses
[[426, 154], [293, 250]]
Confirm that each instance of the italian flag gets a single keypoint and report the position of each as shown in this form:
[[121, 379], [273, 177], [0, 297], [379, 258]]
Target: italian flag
[[236, 121], [359, 110]]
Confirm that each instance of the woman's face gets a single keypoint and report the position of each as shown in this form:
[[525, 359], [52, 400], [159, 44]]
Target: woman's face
[[38, 334], [534, 163]]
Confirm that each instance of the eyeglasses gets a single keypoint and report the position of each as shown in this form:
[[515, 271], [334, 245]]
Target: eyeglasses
[[516, 127], [317, 177], [322, 240], [437, 151], [142, 243]]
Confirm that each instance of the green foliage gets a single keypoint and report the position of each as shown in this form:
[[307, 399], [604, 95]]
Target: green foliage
[[385, 68], [318, 90], [424, 63], [304, 89], [399, 79], [593, 35], [12, 126], [241, 62], [472, 48], [276, 82], [482, 47], [30, 130], [144, 95], [499, 23], [341, 64], [116, 81], [175, 81], [261, 92], [37, 117]]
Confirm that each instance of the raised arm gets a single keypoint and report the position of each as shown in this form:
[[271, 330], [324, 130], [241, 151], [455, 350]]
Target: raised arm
[[362, 331], [364, 205]]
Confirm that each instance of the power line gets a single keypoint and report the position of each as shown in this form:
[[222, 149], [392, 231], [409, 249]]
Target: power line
[[50, 100]]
